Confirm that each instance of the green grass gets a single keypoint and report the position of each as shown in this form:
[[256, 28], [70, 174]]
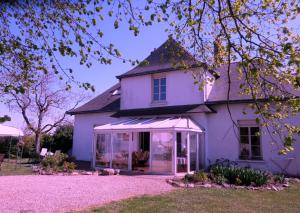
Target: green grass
[[210, 200], [11, 168]]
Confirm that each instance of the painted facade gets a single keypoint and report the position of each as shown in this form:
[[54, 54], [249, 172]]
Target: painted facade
[[220, 138]]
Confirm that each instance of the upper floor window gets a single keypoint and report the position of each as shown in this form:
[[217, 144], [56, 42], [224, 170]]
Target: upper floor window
[[250, 146], [159, 89]]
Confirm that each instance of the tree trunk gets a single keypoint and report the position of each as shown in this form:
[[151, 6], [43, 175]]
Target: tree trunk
[[37, 143]]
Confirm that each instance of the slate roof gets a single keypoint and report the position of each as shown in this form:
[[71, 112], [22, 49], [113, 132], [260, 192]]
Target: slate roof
[[168, 57], [105, 102], [166, 110]]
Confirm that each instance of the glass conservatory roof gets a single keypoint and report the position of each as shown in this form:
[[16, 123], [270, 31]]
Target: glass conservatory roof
[[148, 124]]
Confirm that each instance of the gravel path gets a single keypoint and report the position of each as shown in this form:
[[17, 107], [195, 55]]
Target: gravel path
[[65, 193]]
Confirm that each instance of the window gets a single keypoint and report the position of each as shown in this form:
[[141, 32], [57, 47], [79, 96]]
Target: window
[[159, 89], [250, 147]]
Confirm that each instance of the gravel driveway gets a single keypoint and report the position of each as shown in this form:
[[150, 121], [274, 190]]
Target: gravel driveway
[[65, 193]]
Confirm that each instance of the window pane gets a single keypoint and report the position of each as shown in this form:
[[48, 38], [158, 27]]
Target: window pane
[[254, 131], [255, 140], [156, 82], [163, 96], [156, 89], [163, 81], [244, 151], [244, 139], [155, 97], [181, 152], [255, 151], [243, 130], [103, 150], [120, 151], [161, 151], [163, 89], [193, 151]]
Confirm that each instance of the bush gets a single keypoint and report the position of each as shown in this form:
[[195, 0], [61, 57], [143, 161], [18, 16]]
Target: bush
[[200, 176], [188, 178], [219, 179], [58, 162], [239, 176], [279, 178], [61, 139], [6, 142]]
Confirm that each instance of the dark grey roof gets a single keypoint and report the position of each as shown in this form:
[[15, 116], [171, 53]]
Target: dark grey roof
[[167, 110], [168, 57], [105, 102]]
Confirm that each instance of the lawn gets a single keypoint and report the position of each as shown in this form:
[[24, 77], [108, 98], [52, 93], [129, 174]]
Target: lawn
[[11, 168], [210, 200]]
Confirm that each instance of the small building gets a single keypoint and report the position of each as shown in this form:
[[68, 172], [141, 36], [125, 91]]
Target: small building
[[156, 120]]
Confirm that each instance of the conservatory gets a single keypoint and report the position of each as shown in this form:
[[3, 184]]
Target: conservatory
[[162, 145]]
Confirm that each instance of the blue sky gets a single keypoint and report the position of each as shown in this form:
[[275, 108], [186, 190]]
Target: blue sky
[[103, 76]]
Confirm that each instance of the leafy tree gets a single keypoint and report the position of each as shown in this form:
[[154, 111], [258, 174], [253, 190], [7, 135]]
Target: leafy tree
[[262, 35], [61, 139], [4, 119]]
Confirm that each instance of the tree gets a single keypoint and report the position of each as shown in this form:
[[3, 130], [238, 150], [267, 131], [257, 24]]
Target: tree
[[42, 105], [262, 35], [4, 119], [61, 139]]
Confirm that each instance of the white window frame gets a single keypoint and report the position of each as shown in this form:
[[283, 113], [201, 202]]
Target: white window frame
[[158, 77], [250, 142]]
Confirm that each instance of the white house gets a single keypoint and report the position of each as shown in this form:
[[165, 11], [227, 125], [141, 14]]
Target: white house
[[156, 120]]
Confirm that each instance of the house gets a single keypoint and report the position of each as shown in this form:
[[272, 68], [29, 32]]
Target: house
[[156, 120]]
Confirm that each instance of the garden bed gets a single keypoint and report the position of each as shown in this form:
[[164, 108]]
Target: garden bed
[[226, 174]]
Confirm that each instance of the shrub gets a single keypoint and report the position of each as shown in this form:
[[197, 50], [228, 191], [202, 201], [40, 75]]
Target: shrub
[[200, 177], [280, 178], [69, 166], [188, 178], [6, 143], [58, 162], [61, 139], [238, 175], [219, 179]]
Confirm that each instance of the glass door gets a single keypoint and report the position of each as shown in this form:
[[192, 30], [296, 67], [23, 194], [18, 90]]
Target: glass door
[[193, 151], [181, 152], [103, 150], [161, 152]]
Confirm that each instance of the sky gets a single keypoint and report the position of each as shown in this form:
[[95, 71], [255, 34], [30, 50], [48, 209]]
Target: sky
[[103, 76]]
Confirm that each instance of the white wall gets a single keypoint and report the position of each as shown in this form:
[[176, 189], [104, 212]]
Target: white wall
[[83, 133], [137, 91], [222, 142]]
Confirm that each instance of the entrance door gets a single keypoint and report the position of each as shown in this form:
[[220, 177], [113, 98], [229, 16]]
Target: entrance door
[[161, 152], [181, 155]]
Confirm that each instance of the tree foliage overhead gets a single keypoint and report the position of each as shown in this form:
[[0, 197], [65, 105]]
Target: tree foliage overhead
[[36, 34], [263, 36]]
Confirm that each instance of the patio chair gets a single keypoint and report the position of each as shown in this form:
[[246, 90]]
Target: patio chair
[[43, 152], [57, 152], [1, 159]]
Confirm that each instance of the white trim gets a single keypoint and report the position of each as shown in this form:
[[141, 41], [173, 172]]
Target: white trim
[[188, 152], [130, 151], [197, 152], [147, 130], [150, 152], [174, 157], [111, 149], [94, 144]]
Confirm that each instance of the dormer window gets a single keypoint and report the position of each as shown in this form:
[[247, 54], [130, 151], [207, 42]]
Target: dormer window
[[159, 89]]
